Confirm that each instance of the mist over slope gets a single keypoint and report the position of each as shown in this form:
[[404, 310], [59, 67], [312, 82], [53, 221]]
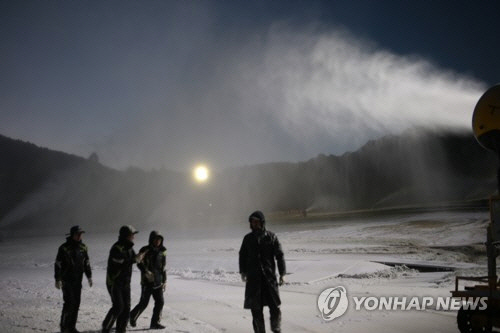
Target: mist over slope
[[43, 190], [416, 168], [47, 191]]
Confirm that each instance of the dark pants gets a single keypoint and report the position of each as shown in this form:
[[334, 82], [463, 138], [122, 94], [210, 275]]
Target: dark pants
[[258, 319], [71, 296], [274, 311], [119, 312], [146, 293]]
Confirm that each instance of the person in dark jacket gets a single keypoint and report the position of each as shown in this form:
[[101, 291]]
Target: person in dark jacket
[[72, 262], [119, 273], [259, 253], [153, 279]]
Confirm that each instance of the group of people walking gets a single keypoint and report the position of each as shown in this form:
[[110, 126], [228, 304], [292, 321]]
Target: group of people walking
[[72, 262], [259, 255]]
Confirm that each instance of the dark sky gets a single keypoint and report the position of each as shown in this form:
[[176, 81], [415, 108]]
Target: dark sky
[[175, 83]]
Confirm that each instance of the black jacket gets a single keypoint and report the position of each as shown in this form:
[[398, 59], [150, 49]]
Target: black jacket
[[72, 261], [258, 253], [155, 261], [120, 262]]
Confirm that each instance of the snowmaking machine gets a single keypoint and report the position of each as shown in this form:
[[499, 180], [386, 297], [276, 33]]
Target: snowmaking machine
[[486, 128]]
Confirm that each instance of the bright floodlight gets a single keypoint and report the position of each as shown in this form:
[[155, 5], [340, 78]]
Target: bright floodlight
[[201, 173]]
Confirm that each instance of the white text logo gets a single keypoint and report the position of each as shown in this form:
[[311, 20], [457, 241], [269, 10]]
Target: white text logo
[[333, 303]]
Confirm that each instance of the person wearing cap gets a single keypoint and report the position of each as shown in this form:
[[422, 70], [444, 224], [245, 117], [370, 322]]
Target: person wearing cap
[[259, 254], [72, 262], [119, 273], [153, 279]]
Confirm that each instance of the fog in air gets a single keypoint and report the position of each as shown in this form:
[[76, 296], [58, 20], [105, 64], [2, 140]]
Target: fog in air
[[284, 95], [171, 87], [347, 123]]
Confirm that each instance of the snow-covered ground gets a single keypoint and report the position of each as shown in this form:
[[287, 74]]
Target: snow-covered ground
[[205, 294]]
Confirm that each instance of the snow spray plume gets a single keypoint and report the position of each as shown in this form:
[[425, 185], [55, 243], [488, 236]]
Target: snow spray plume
[[287, 94]]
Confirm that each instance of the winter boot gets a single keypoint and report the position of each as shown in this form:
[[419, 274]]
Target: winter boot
[[157, 326]]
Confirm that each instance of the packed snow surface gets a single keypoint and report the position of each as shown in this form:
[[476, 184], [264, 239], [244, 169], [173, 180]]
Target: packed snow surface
[[205, 293]]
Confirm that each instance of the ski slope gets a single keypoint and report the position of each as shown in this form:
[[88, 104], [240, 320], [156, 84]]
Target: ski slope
[[205, 294]]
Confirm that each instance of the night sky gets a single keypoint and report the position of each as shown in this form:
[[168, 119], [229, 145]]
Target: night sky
[[174, 83]]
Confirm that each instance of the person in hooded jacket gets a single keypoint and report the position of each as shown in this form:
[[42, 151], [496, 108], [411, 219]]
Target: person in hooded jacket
[[259, 253], [153, 279], [72, 261], [119, 273]]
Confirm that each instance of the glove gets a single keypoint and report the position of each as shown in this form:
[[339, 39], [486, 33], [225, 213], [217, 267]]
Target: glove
[[243, 277], [58, 284], [282, 280], [140, 256], [149, 276], [90, 282]]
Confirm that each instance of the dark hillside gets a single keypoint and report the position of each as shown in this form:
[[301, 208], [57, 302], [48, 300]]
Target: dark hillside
[[44, 189]]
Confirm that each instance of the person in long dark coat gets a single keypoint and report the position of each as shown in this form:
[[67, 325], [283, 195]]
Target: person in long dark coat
[[119, 273], [153, 279], [72, 261], [259, 253]]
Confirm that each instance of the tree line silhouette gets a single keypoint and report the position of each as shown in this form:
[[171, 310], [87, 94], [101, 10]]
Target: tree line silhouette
[[45, 189]]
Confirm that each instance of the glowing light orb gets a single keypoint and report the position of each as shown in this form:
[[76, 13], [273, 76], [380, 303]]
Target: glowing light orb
[[201, 173]]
